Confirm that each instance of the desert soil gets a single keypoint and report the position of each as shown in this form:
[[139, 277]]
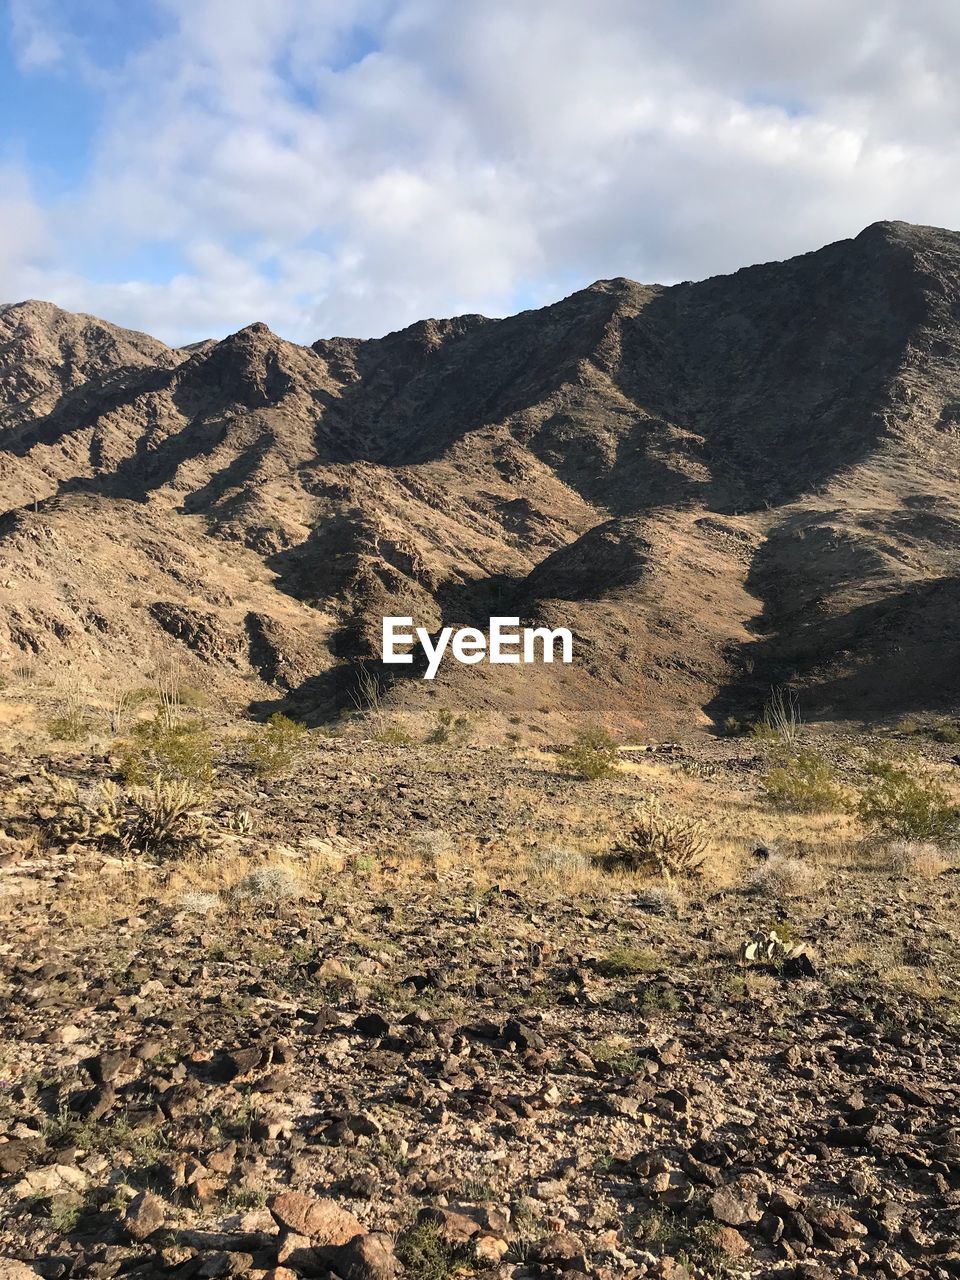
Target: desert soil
[[401, 1018]]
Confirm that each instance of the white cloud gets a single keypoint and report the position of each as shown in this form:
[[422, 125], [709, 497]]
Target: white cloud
[[36, 42], [24, 239], [352, 167]]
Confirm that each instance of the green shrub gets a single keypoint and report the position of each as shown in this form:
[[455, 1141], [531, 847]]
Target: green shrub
[[181, 751], [733, 727], [72, 725], [449, 729], [276, 747], [804, 783], [627, 962], [427, 1254], [593, 754], [905, 805], [391, 735]]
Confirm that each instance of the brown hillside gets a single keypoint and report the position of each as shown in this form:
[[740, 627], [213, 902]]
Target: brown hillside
[[716, 485]]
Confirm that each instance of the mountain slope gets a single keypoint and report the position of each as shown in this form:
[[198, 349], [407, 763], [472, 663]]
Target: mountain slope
[[716, 485]]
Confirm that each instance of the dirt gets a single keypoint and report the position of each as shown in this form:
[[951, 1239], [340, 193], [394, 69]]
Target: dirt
[[407, 1018]]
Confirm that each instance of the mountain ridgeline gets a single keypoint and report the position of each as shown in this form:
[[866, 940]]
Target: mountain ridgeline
[[717, 486]]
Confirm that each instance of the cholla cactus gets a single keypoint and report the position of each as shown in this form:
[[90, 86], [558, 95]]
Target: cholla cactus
[[668, 844], [168, 813], [88, 817], [145, 819]]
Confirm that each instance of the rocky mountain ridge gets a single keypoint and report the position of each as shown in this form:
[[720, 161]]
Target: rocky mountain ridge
[[716, 485]]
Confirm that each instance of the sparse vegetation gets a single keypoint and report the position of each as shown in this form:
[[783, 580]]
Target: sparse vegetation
[[167, 816], [393, 735], [662, 899], [782, 877], [781, 720], [270, 884], [593, 754], [431, 846], [172, 750], [916, 858], [617, 1054], [71, 725], [560, 862], [903, 803], [624, 962], [162, 818], [428, 1256], [276, 748], [449, 729]]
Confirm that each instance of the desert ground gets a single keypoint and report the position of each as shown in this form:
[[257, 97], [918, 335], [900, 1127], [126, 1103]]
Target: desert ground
[[417, 999]]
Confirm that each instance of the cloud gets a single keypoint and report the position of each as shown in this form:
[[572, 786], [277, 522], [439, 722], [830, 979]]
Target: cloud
[[34, 35], [353, 167], [24, 239]]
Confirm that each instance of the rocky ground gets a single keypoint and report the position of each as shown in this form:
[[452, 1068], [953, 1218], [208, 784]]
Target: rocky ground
[[397, 1017]]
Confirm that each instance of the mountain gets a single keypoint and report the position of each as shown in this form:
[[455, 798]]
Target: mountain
[[717, 486]]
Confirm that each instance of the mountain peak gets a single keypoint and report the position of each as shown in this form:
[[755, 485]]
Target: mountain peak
[[647, 465]]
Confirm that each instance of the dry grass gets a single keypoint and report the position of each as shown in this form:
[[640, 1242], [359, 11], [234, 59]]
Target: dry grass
[[915, 858], [784, 877]]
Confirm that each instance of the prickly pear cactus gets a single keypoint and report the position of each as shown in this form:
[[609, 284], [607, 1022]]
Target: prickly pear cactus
[[776, 948]]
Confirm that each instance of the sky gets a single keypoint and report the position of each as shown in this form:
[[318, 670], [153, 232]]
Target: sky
[[187, 167]]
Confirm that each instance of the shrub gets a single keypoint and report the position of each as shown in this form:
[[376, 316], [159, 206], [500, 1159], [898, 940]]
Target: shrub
[[916, 858], [661, 899], [174, 752], [267, 885], [783, 877], [431, 846], [455, 730], [804, 783], [392, 735], [593, 754], [627, 962], [781, 720], [197, 902], [560, 862], [426, 1253], [275, 748], [72, 725], [669, 845], [905, 805]]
